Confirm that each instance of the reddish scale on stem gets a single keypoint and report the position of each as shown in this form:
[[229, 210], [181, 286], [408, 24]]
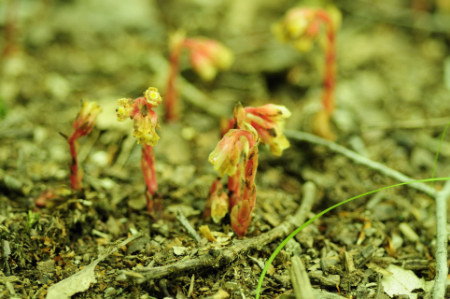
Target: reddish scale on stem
[[241, 212]]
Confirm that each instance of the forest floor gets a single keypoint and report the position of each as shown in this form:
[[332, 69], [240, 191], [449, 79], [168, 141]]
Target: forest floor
[[392, 105]]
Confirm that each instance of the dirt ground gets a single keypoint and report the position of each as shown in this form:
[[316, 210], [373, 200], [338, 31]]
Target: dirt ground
[[392, 105]]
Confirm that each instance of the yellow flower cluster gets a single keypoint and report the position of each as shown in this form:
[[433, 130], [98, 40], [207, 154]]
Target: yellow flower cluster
[[145, 131], [124, 110], [225, 157], [145, 119], [268, 120]]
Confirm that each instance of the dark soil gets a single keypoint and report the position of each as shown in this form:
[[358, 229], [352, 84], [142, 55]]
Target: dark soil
[[392, 102]]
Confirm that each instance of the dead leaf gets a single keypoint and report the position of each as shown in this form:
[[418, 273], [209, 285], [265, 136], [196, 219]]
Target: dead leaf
[[401, 282], [81, 281]]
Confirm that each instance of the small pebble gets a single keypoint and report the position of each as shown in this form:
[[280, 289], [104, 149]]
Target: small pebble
[[179, 250], [408, 232]]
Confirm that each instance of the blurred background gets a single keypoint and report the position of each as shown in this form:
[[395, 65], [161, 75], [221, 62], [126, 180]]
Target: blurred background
[[392, 57]]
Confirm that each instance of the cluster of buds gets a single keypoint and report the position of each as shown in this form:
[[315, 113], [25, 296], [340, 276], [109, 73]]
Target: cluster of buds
[[301, 27], [141, 111], [206, 57], [83, 125], [236, 155]]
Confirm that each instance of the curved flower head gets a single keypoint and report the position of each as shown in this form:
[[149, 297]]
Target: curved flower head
[[268, 121], [226, 156], [85, 120], [295, 23], [208, 56], [300, 26]]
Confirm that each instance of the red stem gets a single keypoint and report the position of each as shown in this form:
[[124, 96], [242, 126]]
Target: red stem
[[75, 176], [148, 170], [329, 79]]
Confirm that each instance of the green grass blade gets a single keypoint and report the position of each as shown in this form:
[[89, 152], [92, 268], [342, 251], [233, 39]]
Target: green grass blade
[[444, 133], [317, 216]]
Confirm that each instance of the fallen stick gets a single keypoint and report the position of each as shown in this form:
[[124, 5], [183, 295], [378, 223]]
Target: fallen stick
[[383, 169], [440, 281], [219, 257]]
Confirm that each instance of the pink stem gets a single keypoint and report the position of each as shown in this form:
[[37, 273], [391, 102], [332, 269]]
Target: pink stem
[[330, 63], [148, 170], [251, 166]]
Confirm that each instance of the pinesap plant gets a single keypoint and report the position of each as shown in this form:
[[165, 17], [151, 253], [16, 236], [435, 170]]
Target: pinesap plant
[[145, 120], [206, 57], [236, 155], [302, 26], [82, 125]]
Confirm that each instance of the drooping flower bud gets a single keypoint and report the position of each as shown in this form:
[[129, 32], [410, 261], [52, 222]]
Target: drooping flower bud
[[208, 56], [225, 157], [85, 120], [268, 121], [218, 200]]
